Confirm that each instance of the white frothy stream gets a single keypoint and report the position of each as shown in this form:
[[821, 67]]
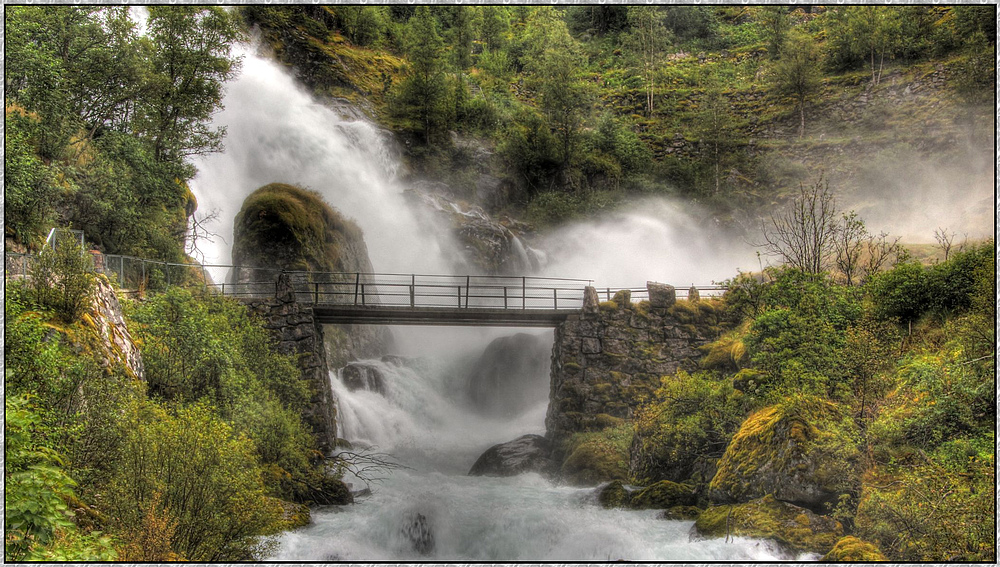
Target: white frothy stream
[[278, 133]]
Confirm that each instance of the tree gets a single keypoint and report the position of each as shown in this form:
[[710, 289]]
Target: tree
[[647, 39], [774, 23], [493, 27], [189, 58], [797, 73], [424, 93], [875, 32], [716, 125], [802, 235], [461, 37]]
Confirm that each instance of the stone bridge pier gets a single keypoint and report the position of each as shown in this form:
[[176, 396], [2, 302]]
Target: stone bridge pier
[[609, 358]]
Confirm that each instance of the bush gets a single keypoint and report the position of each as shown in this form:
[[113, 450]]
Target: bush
[[190, 467], [62, 280], [690, 419], [595, 457]]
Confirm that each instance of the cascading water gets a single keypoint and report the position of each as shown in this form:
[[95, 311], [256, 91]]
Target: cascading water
[[420, 412]]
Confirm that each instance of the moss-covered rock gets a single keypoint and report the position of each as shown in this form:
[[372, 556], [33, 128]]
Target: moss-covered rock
[[681, 513], [613, 495], [793, 527], [597, 456], [851, 549], [286, 227], [662, 495], [802, 450]]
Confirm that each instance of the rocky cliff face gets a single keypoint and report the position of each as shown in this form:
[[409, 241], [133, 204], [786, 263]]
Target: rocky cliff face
[[610, 358], [116, 341], [283, 227]]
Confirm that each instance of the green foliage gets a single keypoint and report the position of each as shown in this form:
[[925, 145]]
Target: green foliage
[[62, 279], [38, 521], [690, 418], [423, 95], [797, 73], [209, 481], [28, 188]]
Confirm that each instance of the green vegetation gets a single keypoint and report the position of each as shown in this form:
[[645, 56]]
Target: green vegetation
[[196, 462], [101, 119], [588, 105]]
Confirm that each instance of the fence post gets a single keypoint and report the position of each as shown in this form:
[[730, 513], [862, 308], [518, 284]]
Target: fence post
[[524, 286], [555, 298], [413, 286], [505, 297], [467, 292], [316, 293], [121, 270], [609, 294], [362, 294], [166, 266], [357, 281], [459, 288]]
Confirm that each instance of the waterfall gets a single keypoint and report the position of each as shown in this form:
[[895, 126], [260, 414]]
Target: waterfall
[[418, 410]]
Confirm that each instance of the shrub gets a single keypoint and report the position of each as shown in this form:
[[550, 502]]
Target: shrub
[[62, 280], [207, 477]]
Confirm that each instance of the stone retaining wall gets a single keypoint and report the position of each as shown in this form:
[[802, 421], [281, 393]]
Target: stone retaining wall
[[610, 358]]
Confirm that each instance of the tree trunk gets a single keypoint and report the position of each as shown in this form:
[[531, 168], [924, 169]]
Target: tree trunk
[[802, 118]]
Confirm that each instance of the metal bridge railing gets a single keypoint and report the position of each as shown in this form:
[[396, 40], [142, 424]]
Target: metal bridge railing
[[352, 288]]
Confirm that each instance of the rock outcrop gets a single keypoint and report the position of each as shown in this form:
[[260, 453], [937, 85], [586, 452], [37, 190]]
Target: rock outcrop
[[286, 228], [801, 451], [528, 453], [853, 550], [511, 376], [106, 313]]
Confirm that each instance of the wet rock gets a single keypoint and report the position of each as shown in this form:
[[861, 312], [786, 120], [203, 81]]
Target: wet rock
[[359, 376], [853, 550], [528, 453], [417, 529], [613, 495], [330, 492], [662, 495], [511, 376], [680, 513]]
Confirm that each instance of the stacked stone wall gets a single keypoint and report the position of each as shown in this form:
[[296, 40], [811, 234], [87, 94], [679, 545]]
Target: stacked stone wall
[[609, 359], [296, 332]]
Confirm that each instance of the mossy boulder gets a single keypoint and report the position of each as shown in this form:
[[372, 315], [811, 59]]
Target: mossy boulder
[[851, 549], [613, 495], [287, 227], [597, 456], [681, 513], [802, 450], [793, 527], [662, 495]]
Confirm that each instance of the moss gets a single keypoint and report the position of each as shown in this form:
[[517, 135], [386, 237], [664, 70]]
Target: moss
[[851, 549], [791, 526], [613, 495], [681, 513], [662, 495], [800, 450], [286, 226], [608, 306], [598, 456]]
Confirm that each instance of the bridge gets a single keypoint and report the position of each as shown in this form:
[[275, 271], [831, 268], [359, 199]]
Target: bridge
[[371, 298]]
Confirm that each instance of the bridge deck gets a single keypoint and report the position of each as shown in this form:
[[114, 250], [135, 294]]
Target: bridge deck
[[452, 316]]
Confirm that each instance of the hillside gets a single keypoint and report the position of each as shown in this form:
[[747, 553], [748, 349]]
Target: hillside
[[730, 107]]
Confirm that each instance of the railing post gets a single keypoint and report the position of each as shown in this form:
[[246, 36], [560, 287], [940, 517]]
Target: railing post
[[357, 281], [555, 298], [413, 286], [505, 297], [524, 286], [459, 288], [609, 294], [166, 266], [121, 270], [316, 293], [467, 292], [362, 294]]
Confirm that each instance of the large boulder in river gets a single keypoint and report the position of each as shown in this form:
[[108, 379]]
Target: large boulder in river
[[511, 376], [801, 450], [528, 453], [284, 227]]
